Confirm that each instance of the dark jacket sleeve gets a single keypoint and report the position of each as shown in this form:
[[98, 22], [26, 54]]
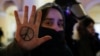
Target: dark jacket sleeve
[[12, 50]]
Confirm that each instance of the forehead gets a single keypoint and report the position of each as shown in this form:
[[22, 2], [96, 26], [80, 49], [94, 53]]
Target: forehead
[[91, 24], [54, 13]]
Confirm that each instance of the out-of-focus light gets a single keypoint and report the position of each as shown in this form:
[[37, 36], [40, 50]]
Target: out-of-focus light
[[10, 10], [68, 12], [97, 29]]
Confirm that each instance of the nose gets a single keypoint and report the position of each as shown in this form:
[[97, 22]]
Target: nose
[[56, 27]]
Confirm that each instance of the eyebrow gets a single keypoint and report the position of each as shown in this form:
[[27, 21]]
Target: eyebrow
[[61, 20], [53, 19], [49, 19]]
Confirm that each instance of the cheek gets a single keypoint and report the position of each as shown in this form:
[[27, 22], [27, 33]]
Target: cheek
[[46, 26], [91, 30], [62, 28]]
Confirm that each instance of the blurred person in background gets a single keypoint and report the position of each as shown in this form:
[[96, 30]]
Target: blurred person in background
[[87, 41], [73, 11]]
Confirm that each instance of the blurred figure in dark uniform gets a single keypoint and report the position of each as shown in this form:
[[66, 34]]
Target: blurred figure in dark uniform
[[73, 12]]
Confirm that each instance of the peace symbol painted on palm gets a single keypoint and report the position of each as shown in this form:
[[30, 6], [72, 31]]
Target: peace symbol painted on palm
[[26, 33]]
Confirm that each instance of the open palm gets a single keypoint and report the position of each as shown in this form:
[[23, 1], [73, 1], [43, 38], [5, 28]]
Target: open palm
[[27, 32]]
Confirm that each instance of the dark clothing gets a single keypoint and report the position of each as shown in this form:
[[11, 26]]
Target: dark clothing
[[1, 34], [69, 23], [87, 46], [47, 51], [75, 47], [14, 50], [54, 47]]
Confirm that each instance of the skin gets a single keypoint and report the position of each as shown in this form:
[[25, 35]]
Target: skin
[[53, 20], [35, 41], [90, 28]]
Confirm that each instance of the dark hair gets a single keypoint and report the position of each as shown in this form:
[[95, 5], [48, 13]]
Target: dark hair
[[83, 24], [45, 9], [61, 2]]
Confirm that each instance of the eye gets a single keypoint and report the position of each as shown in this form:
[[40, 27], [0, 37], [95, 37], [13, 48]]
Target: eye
[[48, 23], [60, 23]]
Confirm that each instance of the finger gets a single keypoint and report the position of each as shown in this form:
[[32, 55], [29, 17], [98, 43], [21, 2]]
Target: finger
[[17, 18], [26, 14], [38, 18], [32, 17], [44, 39], [37, 23]]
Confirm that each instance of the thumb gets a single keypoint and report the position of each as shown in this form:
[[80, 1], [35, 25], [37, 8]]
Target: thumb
[[44, 39]]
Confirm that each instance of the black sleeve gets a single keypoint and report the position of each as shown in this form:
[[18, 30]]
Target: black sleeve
[[12, 50]]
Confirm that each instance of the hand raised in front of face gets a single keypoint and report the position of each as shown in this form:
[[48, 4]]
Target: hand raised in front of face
[[27, 32]]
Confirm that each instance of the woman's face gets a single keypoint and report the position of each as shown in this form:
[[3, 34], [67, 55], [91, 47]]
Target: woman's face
[[90, 28], [53, 20]]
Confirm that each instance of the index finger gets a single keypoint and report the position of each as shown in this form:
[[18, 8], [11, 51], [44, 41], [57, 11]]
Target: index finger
[[17, 18], [38, 18]]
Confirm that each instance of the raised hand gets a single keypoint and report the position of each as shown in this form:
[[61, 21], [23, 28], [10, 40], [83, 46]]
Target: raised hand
[[27, 32]]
